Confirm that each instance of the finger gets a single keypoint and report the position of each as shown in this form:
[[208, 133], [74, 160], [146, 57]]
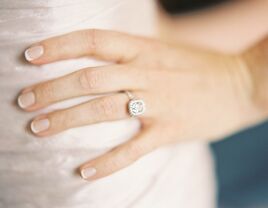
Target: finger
[[103, 44], [87, 81], [121, 157], [108, 108]]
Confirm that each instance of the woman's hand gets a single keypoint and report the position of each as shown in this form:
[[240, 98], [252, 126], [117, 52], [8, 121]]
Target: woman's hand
[[189, 93]]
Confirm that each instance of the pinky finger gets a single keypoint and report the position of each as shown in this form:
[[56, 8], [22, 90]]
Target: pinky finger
[[120, 157]]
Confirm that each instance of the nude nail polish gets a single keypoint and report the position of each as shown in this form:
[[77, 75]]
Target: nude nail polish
[[40, 125], [26, 99], [87, 173], [34, 52]]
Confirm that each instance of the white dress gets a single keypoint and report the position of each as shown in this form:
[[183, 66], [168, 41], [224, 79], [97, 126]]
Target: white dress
[[41, 173]]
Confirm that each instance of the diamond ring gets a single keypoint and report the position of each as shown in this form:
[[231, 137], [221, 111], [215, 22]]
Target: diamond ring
[[136, 107]]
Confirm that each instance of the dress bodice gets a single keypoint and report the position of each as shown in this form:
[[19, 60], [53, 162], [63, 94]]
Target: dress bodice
[[42, 172]]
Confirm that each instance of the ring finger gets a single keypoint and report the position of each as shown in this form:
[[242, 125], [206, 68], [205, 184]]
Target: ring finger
[[107, 108]]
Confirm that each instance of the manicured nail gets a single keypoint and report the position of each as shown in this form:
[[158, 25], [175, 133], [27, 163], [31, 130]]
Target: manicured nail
[[26, 99], [34, 52], [40, 125], [87, 173]]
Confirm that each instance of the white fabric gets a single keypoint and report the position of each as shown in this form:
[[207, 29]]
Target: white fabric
[[42, 172]]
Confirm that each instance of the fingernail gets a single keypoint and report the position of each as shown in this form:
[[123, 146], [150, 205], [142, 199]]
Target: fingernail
[[87, 173], [26, 99], [39, 125], [34, 52]]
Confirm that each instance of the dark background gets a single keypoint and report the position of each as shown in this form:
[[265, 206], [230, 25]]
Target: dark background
[[242, 169], [177, 6], [241, 159]]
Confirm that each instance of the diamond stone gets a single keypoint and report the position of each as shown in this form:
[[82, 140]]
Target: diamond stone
[[136, 107]]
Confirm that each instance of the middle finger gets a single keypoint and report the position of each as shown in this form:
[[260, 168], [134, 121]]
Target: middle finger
[[83, 82]]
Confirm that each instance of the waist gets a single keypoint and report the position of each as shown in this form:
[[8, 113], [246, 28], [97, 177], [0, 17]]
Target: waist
[[28, 18]]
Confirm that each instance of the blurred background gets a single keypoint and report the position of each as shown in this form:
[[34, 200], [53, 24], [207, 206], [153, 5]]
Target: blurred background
[[241, 159], [242, 168]]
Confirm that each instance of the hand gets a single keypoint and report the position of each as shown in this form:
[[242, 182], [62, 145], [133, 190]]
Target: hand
[[189, 93]]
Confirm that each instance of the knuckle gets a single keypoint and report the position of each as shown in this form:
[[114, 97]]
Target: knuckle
[[45, 92], [62, 119], [107, 108], [91, 40], [114, 164], [92, 79], [135, 150], [66, 119], [55, 44]]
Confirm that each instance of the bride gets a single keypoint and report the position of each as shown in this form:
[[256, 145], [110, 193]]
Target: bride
[[129, 157]]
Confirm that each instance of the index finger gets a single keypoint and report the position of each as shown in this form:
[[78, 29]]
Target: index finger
[[103, 44]]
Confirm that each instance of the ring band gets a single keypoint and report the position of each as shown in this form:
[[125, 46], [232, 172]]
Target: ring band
[[136, 107]]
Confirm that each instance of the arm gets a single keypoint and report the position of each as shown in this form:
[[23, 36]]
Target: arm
[[230, 27]]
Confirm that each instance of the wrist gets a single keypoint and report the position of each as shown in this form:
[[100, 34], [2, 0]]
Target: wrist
[[256, 62], [239, 95], [251, 84]]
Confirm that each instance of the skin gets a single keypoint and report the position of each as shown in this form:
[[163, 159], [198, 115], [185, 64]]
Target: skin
[[230, 27], [190, 93]]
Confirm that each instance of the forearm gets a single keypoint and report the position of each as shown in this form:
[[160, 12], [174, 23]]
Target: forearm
[[230, 27]]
